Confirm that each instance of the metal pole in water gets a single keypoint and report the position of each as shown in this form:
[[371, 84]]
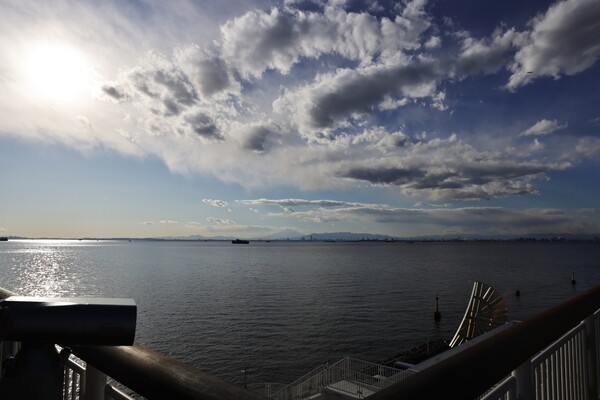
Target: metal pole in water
[[573, 281], [437, 315]]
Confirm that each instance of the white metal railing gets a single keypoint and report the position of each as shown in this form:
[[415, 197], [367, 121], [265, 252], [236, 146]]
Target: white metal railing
[[266, 388], [81, 382], [74, 378], [348, 375], [560, 371], [305, 386], [567, 369]]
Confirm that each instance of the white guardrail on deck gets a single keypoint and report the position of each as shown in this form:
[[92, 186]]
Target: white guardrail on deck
[[567, 369], [349, 376]]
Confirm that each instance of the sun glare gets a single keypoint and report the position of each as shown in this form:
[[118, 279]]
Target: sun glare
[[57, 72]]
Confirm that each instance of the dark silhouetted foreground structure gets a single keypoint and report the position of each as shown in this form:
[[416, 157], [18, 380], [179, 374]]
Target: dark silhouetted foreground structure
[[552, 355]]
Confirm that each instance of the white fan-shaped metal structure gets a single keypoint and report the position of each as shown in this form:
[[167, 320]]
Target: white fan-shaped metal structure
[[486, 311]]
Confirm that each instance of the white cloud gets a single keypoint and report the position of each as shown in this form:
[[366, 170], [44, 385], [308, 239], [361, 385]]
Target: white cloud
[[215, 203], [487, 55], [543, 127], [391, 104], [438, 101], [433, 43], [466, 219], [564, 40], [327, 103], [536, 145], [213, 108], [589, 147], [281, 38], [220, 221]]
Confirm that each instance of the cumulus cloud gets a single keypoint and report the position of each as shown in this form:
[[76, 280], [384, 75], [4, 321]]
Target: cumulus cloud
[[564, 40], [215, 203], [536, 145], [236, 109], [208, 71], [259, 137], [113, 93], [543, 127], [438, 101], [281, 38], [332, 98], [487, 55], [203, 125], [433, 42], [589, 147], [450, 169]]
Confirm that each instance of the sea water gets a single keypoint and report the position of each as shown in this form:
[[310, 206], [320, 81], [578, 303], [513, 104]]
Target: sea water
[[280, 309]]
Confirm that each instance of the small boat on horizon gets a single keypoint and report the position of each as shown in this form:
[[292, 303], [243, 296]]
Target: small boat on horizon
[[239, 241]]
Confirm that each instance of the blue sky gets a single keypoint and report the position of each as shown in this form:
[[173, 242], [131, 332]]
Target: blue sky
[[150, 118]]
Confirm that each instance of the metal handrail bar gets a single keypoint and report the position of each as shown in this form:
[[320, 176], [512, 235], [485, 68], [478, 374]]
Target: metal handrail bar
[[112, 393], [156, 376], [74, 366], [4, 293], [471, 372], [506, 388]]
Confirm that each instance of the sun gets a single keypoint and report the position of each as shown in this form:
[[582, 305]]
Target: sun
[[57, 72]]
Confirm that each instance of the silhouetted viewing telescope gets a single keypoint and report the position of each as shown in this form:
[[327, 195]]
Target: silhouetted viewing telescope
[[39, 323], [69, 321]]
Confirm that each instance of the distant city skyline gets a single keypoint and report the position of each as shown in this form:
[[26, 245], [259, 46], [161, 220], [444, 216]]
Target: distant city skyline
[[245, 119]]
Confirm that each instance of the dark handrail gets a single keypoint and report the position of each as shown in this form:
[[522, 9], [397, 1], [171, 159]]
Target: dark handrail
[[154, 375], [471, 372], [4, 293]]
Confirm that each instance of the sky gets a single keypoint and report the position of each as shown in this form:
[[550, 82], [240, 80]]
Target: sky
[[148, 118]]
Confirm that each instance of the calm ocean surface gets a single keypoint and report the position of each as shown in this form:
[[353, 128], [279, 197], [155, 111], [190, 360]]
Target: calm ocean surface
[[281, 308]]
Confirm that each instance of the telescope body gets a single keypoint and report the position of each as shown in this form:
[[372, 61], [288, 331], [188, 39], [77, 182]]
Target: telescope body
[[68, 321]]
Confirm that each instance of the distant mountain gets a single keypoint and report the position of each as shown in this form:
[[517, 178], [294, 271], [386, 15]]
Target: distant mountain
[[197, 237], [345, 236], [283, 235], [532, 236], [290, 234]]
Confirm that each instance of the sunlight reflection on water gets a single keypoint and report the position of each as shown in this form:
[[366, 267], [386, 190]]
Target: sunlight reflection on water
[[46, 268]]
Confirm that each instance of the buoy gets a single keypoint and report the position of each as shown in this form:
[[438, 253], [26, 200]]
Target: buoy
[[518, 293], [573, 281], [437, 315]]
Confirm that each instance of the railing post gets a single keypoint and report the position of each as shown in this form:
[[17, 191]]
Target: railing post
[[8, 348], [524, 380], [591, 356], [95, 384]]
